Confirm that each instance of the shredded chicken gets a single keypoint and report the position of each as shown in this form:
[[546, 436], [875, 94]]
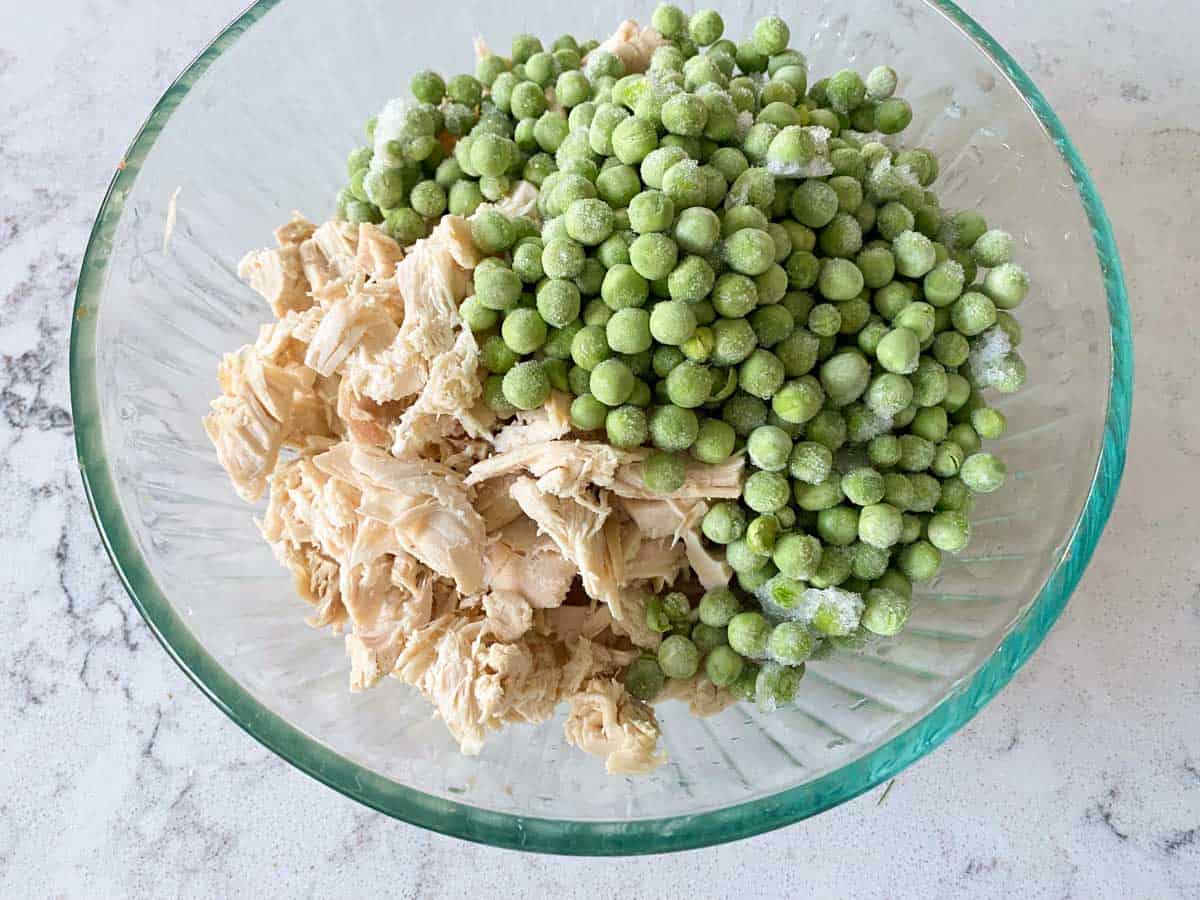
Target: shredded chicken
[[500, 568], [606, 721], [634, 45]]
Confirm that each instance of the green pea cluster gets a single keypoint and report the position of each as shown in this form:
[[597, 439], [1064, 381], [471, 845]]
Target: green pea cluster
[[729, 261]]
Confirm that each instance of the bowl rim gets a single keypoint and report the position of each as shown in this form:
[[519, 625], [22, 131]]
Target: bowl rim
[[599, 837]]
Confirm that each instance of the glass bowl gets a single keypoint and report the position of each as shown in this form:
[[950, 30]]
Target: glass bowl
[[260, 125]]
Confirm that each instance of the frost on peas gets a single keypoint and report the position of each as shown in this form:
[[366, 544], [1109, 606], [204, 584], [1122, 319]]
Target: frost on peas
[[994, 363], [831, 611], [881, 83]]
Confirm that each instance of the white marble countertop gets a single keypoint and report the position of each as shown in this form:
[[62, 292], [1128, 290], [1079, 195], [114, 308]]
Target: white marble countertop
[[117, 778]]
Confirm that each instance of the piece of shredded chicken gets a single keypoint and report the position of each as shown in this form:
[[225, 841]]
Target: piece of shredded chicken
[[500, 568]]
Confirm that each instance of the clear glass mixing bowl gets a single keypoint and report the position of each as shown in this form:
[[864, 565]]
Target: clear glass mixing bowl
[[260, 124]]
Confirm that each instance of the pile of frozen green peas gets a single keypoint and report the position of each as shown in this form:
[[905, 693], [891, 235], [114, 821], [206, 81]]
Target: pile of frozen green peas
[[730, 261]]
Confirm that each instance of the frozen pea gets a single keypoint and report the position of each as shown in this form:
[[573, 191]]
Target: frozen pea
[[748, 633], [879, 525], [664, 472], [688, 385], [493, 397], [790, 643], [983, 473], [496, 356], [763, 530], [744, 413], [837, 526], [840, 279], [628, 331], [992, 248], [846, 91], [799, 400], [776, 685], [754, 187], [699, 347], [723, 666], [811, 463], [899, 351], [714, 442], [863, 486], [624, 287], [943, 283], [706, 27], [797, 555], [881, 83], [918, 317], [947, 460], [867, 562], [558, 302], [738, 217], [914, 254], [886, 611], [588, 413], [772, 324], [845, 376], [951, 349], [665, 359], [761, 374], [611, 380], [825, 320], [697, 229], [926, 490], [766, 492], [1009, 325], [949, 531], [841, 238], [920, 561], [653, 255], [691, 281], [625, 426], [750, 251], [724, 522], [477, 316], [798, 352], [596, 312], [672, 322], [892, 115], [684, 185], [589, 221], [803, 269], [678, 657], [916, 453], [888, 393], [771, 35], [973, 313], [734, 295], [930, 382], [633, 139], [673, 428], [526, 385], [989, 423], [644, 679], [771, 285], [1006, 285], [562, 258], [523, 330], [966, 437], [955, 495], [651, 211]]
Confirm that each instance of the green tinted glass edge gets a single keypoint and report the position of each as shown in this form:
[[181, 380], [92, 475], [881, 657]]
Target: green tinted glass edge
[[552, 835]]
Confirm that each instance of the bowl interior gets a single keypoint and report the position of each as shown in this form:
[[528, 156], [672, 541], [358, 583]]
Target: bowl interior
[[260, 127]]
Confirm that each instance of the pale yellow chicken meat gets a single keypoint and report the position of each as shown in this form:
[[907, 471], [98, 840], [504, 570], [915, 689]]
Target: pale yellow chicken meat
[[502, 569]]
